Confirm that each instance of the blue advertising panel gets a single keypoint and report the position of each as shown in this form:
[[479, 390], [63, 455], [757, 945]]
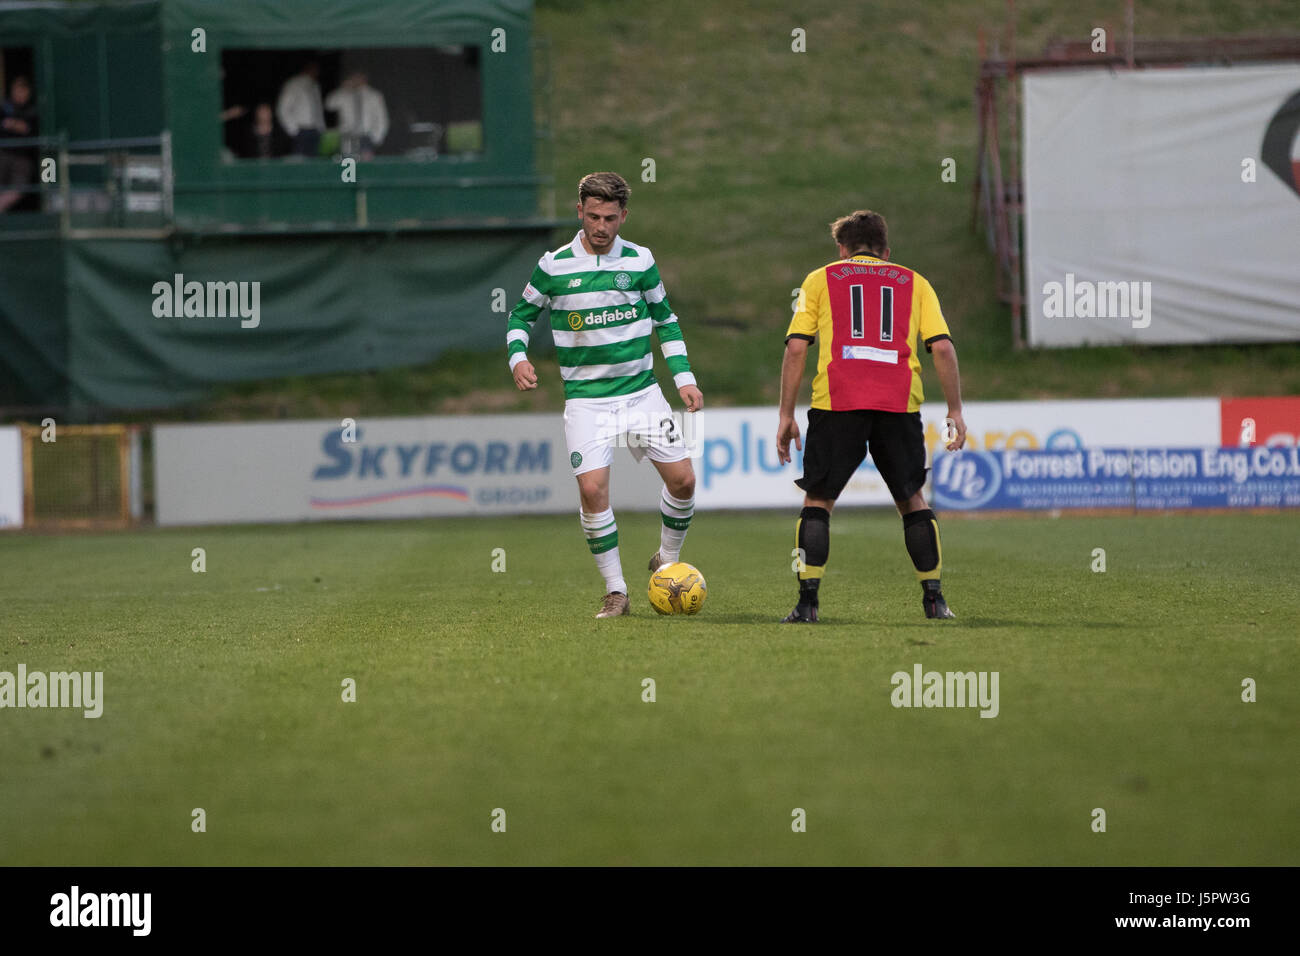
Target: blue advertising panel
[[1139, 478]]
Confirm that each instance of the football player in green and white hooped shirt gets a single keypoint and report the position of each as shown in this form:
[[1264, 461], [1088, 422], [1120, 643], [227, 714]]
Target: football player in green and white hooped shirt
[[606, 298]]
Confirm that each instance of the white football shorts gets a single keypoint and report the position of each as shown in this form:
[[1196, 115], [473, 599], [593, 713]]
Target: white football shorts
[[642, 422]]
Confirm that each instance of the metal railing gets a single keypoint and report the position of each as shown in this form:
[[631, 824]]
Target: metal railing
[[86, 188]]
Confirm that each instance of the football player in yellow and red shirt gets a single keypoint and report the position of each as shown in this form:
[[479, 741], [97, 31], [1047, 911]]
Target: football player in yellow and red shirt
[[868, 315]]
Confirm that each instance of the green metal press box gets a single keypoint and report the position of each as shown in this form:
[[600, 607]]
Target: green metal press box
[[368, 254]]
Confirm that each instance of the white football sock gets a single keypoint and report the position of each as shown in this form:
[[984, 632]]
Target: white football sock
[[602, 538], [676, 514]]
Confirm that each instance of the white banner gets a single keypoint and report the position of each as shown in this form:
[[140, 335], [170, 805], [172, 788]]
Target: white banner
[[11, 477], [518, 464], [738, 468], [382, 468], [1162, 205]]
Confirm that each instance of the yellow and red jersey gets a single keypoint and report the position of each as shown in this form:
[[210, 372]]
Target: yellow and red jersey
[[867, 314]]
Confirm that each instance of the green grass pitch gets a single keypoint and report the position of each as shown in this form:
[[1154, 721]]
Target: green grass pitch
[[479, 690]]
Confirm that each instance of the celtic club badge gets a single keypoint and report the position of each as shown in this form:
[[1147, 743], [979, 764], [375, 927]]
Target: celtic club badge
[[623, 280]]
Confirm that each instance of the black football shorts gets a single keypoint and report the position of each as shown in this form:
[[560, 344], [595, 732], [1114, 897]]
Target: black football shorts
[[837, 442]]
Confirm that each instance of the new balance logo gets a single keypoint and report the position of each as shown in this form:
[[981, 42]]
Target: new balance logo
[[574, 283]]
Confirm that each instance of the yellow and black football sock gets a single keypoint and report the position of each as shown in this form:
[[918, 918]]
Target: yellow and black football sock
[[921, 535], [813, 538]]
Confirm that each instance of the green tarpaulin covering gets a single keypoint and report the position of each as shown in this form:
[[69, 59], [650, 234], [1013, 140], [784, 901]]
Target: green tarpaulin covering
[[78, 325]]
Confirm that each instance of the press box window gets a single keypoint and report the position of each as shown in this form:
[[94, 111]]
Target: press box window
[[417, 103]]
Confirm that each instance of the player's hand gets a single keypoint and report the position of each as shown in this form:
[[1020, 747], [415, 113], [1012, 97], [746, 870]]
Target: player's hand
[[692, 397], [958, 430], [787, 431], [525, 376]]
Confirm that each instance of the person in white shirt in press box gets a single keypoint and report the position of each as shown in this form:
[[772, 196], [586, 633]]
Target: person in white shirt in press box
[[363, 115], [299, 109]]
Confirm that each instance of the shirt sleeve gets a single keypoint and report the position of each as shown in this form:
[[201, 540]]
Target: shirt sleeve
[[803, 325], [524, 315], [671, 341], [381, 119], [931, 323]]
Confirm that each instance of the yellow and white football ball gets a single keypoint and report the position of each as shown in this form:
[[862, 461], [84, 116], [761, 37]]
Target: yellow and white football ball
[[677, 589]]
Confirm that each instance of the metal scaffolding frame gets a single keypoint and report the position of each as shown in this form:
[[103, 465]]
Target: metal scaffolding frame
[[997, 195]]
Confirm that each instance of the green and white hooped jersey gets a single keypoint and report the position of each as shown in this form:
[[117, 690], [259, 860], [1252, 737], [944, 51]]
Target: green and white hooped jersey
[[603, 309]]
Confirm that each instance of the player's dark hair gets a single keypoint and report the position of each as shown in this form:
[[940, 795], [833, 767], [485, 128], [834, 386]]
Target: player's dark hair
[[607, 187], [862, 231]]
